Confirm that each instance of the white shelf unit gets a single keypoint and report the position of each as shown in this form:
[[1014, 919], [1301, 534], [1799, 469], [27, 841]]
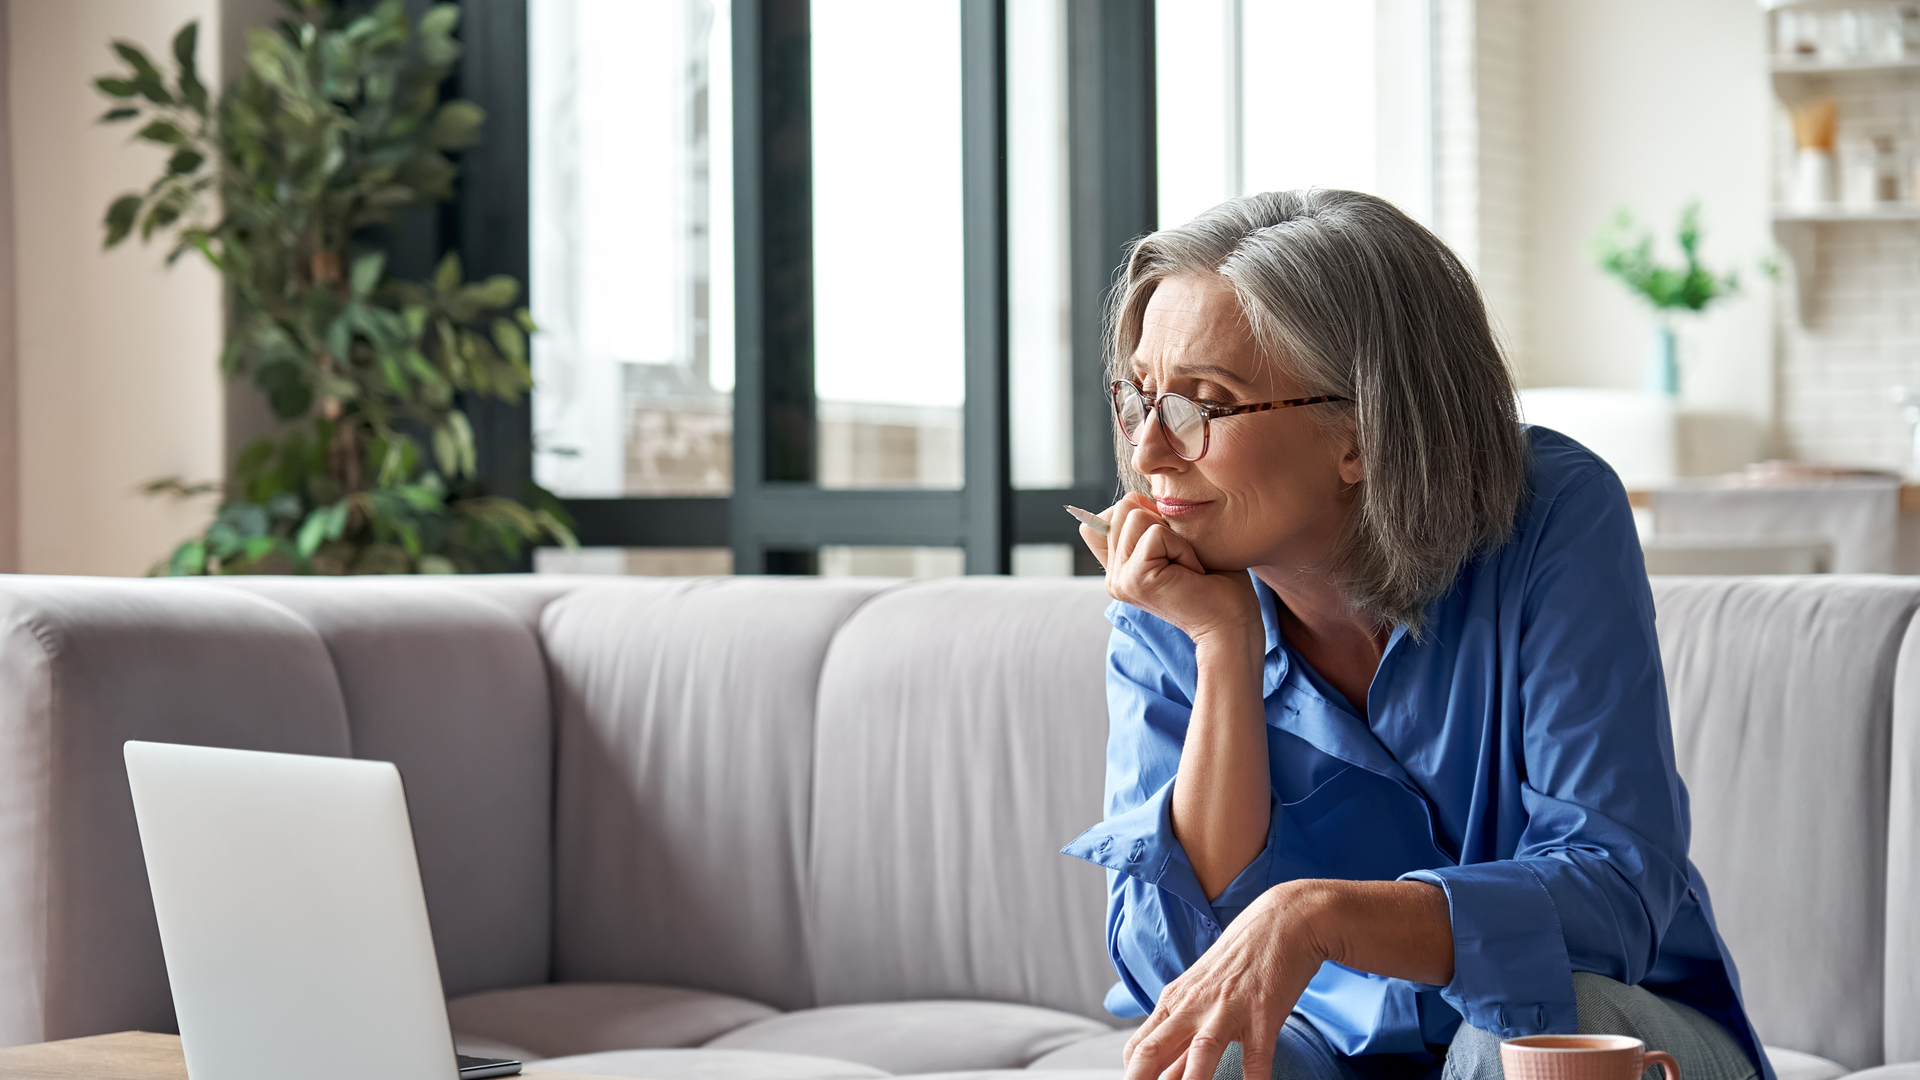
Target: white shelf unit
[[1888, 88]]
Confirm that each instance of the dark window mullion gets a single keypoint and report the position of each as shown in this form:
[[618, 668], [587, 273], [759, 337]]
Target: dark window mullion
[[983, 95]]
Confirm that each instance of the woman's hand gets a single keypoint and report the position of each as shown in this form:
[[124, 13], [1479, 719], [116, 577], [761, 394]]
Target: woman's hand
[[1240, 990], [1155, 569]]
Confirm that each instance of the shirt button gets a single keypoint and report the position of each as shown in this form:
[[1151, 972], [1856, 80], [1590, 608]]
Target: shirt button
[[1105, 844], [1694, 895], [1139, 849]]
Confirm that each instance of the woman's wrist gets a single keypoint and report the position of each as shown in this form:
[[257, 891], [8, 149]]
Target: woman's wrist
[[1242, 641]]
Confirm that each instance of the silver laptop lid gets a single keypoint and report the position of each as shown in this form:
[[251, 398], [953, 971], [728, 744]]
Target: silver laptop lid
[[291, 915]]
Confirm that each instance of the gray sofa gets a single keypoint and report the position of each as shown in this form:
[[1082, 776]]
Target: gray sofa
[[787, 829]]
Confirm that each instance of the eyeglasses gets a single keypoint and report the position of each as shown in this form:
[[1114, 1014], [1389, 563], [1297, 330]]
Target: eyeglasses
[[1185, 422]]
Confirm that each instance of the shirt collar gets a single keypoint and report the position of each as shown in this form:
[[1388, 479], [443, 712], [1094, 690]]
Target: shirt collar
[[1308, 709]]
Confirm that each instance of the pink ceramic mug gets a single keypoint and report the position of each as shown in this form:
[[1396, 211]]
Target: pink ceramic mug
[[1582, 1057]]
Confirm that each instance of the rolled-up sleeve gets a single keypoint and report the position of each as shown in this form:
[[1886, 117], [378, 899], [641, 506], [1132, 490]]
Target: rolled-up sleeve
[[1159, 919], [1587, 888]]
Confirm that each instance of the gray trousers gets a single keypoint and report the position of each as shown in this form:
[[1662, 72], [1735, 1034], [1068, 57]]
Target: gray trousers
[[1704, 1049]]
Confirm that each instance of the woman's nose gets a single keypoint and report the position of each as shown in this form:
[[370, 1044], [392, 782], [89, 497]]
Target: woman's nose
[[1154, 453]]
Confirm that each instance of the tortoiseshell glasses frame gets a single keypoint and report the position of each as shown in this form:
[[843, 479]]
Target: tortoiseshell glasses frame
[[1180, 415]]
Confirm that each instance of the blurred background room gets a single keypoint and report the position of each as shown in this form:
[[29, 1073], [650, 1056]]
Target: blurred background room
[[818, 284]]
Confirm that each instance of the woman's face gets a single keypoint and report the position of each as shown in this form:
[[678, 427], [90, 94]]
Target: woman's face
[[1273, 488]]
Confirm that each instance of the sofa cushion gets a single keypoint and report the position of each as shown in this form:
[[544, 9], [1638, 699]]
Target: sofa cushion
[[582, 1018], [1027, 1073], [1903, 860], [963, 729], [1099, 1052], [1906, 1070], [684, 714], [917, 1036], [710, 1065], [86, 665], [1794, 1065], [451, 686], [1781, 692]]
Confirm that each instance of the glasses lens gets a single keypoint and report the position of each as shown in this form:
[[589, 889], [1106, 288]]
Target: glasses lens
[[1129, 409], [1186, 425]]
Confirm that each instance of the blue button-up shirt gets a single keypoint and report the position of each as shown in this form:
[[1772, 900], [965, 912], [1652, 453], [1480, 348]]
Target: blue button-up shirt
[[1517, 755]]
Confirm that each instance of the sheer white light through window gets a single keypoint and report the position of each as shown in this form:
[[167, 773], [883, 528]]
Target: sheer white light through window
[[889, 346], [1268, 95], [631, 207]]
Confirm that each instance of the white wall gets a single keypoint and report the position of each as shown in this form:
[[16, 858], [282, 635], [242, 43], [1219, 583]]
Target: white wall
[[117, 356], [1650, 104]]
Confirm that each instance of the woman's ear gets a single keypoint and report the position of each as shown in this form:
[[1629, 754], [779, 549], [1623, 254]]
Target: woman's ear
[[1352, 469]]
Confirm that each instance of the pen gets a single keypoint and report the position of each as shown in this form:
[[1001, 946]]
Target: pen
[[1087, 519]]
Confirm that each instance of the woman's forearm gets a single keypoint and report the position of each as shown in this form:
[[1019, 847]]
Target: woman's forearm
[[1221, 797], [1399, 929]]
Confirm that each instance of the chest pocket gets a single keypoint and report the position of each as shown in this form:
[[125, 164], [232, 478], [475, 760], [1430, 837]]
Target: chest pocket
[[1356, 826]]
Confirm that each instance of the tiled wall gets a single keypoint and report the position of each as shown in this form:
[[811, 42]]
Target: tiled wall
[[1861, 335]]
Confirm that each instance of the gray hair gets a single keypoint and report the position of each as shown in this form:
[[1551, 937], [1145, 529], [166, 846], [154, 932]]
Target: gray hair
[[1353, 298]]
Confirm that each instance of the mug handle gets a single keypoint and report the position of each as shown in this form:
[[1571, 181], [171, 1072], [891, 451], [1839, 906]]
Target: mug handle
[[1669, 1067]]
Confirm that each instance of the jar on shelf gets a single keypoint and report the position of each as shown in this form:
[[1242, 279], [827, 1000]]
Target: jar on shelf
[[1869, 171]]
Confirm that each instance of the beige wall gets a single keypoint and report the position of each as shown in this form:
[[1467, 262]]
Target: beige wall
[[117, 356], [1651, 103]]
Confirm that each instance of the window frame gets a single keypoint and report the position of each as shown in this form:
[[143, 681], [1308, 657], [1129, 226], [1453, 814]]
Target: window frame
[[777, 518]]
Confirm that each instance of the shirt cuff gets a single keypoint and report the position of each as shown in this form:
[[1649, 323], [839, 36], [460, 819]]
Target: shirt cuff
[[1140, 843], [1511, 975]]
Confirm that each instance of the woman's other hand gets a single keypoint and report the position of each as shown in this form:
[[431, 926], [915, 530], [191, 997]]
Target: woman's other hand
[[1156, 570], [1240, 990]]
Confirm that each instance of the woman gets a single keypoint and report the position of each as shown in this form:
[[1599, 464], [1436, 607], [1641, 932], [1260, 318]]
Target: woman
[[1390, 775]]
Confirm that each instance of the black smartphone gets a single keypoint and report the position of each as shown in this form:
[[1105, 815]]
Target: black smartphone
[[478, 1068]]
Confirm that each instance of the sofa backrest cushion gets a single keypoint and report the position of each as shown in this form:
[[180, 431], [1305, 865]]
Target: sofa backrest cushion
[[962, 741], [1903, 861], [86, 665], [450, 685], [685, 725], [1780, 691]]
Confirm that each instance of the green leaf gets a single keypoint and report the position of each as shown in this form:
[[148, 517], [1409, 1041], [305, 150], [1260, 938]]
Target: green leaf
[[497, 291], [116, 88], [114, 116], [456, 125], [192, 89], [313, 532], [463, 442], [189, 559], [183, 161], [446, 276], [446, 451], [366, 273], [120, 218], [136, 59], [164, 132]]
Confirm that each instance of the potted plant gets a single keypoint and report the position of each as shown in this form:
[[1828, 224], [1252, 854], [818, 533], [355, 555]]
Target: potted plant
[[1626, 252], [335, 128]]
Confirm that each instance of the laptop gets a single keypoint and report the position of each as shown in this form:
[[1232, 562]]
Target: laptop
[[291, 916]]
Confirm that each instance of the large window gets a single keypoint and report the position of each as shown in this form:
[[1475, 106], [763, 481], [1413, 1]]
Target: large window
[[820, 283]]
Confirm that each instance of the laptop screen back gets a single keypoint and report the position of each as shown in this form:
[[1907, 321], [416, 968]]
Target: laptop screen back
[[291, 915]]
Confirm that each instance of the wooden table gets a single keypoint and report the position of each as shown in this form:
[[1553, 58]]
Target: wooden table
[[129, 1055]]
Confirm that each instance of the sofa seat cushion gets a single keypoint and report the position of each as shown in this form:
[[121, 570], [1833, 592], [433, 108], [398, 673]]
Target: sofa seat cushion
[[918, 1036], [710, 1065], [582, 1018], [1028, 1073], [1906, 1070], [1794, 1065], [1099, 1052]]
